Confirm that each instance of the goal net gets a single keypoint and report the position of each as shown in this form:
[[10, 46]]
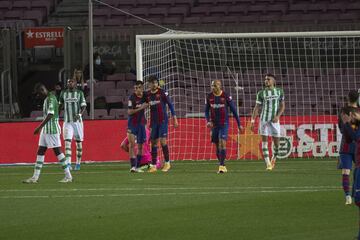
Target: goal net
[[315, 69]]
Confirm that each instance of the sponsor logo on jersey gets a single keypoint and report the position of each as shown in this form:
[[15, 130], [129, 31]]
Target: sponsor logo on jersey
[[152, 103], [217, 105]]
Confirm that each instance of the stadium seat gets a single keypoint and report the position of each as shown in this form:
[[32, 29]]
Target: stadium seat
[[35, 15], [116, 77], [178, 11], [130, 77], [36, 114], [21, 5], [14, 14], [118, 113], [42, 4], [5, 5], [116, 92], [100, 113]]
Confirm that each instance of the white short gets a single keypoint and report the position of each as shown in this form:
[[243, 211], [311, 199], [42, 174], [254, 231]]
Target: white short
[[73, 129], [269, 129], [49, 140]]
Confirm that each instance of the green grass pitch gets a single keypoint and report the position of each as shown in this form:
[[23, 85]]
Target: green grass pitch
[[300, 199]]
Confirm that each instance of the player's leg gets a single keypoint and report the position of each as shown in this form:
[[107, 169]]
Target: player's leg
[[274, 129], [40, 157], [163, 131], [345, 165], [61, 158], [68, 133], [154, 139], [140, 139], [79, 137], [263, 131], [131, 138], [223, 134]]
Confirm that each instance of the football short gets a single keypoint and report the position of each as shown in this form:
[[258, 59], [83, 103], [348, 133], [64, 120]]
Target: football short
[[139, 132], [345, 161], [159, 131], [269, 129], [219, 132], [73, 130], [49, 140]]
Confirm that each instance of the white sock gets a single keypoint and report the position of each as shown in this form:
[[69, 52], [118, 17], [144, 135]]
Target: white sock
[[265, 152], [38, 165], [68, 151]]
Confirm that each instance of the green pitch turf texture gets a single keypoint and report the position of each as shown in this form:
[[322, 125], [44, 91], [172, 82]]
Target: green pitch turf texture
[[300, 199]]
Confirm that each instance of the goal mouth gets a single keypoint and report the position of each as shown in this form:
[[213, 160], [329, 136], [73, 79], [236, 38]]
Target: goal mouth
[[315, 70]]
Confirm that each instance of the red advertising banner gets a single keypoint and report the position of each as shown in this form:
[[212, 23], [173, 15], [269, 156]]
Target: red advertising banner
[[41, 37], [303, 136]]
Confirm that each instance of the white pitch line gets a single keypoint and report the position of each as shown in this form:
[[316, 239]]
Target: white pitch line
[[165, 194], [182, 162], [122, 171], [165, 189]]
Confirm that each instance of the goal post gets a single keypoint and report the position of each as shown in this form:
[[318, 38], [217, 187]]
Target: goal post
[[315, 69]]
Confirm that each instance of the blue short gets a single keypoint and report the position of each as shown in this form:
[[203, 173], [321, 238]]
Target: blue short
[[219, 132], [139, 132], [356, 186], [345, 161], [159, 131]]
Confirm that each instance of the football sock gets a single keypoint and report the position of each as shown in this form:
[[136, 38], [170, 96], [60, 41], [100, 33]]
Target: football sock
[[153, 155], [265, 152], [138, 160], [38, 165], [133, 162], [222, 157], [78, 152], [165, 150], [68, 151], [346, 184], [61, 158]]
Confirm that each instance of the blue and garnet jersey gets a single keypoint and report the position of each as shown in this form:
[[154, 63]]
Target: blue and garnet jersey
[[158, 101], [216, 109], [347, 145], [354, 133], [137, 118]]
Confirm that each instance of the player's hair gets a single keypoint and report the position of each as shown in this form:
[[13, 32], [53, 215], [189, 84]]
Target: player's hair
[[270, 75], [38, 86], [139, 83], [153, 78], [353, 96]]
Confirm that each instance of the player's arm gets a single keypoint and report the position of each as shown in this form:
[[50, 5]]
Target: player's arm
[[171, 107], [132, 110], [49, 115], [281, 109], [209, 123], [61, 101], [82, 106], [255, 113], [234, 111]]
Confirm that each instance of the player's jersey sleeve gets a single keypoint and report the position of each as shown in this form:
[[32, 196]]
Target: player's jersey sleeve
[[233, 109], [207, 108], [167, 100], [259, 98], [61, 98], [131, 103], [51, 105], [82, 99], [282, 97]]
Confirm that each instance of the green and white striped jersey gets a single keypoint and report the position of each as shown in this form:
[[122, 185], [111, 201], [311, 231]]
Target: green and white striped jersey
[[72, 101], [270, 100], [51, 106]]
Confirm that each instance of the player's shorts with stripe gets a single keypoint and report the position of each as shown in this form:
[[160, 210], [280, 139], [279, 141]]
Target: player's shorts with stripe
[[73, 130], [159, 130], [345, 161], [219, 132], [139, 132], [269, 128], [49, 140]]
